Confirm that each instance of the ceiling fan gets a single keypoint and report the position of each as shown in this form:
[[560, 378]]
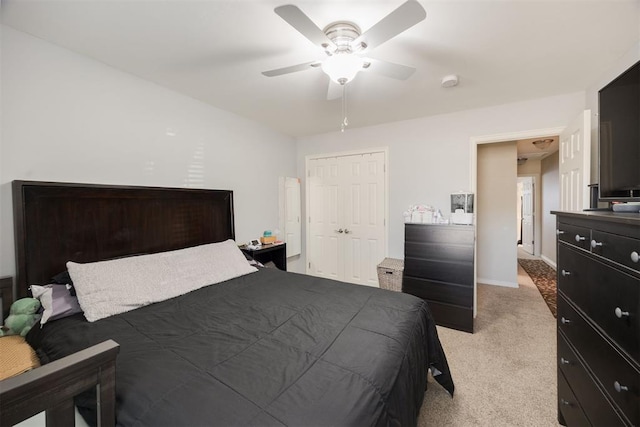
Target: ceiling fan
[[345, 44]]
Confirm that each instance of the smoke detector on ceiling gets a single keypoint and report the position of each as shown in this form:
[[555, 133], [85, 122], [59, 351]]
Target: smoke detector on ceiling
[[450, 81]]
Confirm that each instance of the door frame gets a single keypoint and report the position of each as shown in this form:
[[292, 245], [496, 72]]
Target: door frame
[[308, 158], [474, 141]]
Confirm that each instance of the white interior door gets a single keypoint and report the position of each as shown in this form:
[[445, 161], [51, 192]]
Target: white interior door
[[575, 164], [292, 228], [527, 214], [323, 245], [363, 216], [346, 217]]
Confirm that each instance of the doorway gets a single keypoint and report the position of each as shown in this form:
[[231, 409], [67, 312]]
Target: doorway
[[506, 250], [526, 203]]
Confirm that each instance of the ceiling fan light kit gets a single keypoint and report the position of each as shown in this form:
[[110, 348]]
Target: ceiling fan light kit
[[342, 68]]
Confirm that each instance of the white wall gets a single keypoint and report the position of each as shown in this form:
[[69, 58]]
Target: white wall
[[429, 156], [550, 201], [530, 167], [496, 215], [69, 118]]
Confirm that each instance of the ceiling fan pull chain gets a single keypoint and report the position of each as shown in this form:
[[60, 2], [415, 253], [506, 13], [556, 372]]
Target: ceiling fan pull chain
[[345, 122]]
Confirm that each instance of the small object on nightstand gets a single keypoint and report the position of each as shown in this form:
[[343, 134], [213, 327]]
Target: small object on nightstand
[[253, 244], [268, 240], [276, 253]]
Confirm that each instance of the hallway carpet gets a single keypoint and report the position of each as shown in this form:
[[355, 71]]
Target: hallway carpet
[[544, 277]]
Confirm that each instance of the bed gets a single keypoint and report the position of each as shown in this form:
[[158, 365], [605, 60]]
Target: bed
[[264, 348]]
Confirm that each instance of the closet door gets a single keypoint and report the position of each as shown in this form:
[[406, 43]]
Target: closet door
[[323, 247], [346, 217], [362, 182]]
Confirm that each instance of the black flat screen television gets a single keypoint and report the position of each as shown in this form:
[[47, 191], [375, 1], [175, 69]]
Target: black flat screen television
[[619, 121]]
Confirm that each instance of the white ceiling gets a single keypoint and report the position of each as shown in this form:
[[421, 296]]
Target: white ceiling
[[215, 51]]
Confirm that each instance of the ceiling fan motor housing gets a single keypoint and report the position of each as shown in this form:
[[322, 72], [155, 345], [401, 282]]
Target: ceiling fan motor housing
[[342, 34]]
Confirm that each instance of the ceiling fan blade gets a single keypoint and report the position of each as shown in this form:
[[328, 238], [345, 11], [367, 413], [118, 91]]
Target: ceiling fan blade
[[389, 69], [401, 19], [334, 90], [301, 22], [291, 69]]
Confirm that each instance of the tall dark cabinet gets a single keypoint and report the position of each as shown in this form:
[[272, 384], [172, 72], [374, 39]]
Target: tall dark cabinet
[[598, 318], [439, 267]]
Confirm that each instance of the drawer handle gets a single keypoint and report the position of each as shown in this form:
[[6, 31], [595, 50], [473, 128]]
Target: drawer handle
[[620, 313], [634, 256], [559, 232], [564, 361], [595, 244], [580, 238], [340, 231], [564, 320], [566, 273], [619, 387], [565, 402]]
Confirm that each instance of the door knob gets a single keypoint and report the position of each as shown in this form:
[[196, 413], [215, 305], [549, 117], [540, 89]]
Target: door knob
[[347, 231], [339, 231]]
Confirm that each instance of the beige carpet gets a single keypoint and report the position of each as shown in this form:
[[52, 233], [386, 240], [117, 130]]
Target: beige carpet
[[505, 373]]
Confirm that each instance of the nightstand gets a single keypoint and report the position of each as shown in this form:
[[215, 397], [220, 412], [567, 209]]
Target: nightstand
[[274, 253]]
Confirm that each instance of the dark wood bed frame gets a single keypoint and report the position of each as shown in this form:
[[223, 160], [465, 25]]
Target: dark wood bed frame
[[59, 222]]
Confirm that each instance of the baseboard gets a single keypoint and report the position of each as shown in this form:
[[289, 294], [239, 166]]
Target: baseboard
[[549, 262], [497, 283]]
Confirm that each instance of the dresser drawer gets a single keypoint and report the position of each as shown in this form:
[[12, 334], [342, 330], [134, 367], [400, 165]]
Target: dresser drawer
[[606, 364], [574, 235], [433, 233], [568, 404], [441, 271], [608, 296], [594, 404], [436, 291], [623, 250], [439, 251]]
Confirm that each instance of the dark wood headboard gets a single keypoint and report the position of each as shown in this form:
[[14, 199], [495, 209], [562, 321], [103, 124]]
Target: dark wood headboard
[[59, 222]]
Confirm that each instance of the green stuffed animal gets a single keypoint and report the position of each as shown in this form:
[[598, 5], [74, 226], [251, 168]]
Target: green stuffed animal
[[22, 316]]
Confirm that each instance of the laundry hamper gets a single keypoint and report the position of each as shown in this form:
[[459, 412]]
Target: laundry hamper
[[390, 274]]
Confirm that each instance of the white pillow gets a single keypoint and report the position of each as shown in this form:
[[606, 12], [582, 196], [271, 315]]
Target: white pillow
[[111, 287]]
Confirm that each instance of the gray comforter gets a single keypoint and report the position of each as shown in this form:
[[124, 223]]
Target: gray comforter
[[268, 348]]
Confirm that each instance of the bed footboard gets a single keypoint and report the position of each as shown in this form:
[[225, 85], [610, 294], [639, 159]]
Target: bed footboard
[[51, 387]]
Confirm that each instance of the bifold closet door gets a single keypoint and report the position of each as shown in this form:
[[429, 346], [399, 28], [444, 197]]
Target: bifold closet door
[[347, 217]]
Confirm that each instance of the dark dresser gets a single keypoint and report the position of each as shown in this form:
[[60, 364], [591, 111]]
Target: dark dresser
[[439, 267], [598, 318]]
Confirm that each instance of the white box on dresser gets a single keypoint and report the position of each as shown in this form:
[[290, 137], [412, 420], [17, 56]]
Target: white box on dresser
[[598, 318]]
